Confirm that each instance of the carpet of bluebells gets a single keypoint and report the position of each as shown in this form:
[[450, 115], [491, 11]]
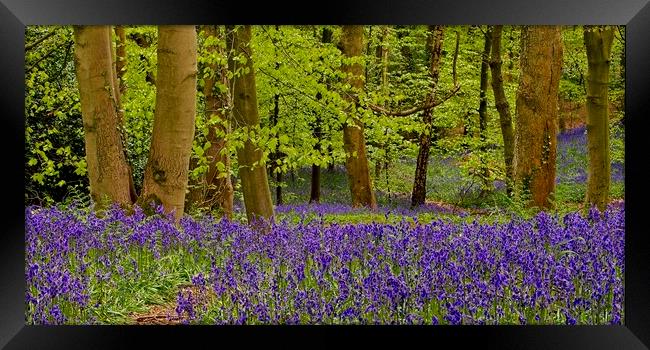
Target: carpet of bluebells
[[81, 268], [448, 182], [572, 160]]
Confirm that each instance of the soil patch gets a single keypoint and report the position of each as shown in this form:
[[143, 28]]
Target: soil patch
[[167, 314]]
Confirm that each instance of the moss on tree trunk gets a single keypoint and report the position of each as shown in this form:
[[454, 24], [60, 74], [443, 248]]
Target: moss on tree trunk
[[501, 102], [254, 181], [353, 139]]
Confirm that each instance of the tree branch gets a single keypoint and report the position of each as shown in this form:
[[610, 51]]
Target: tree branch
[[412, 110], [455, 58], [45, 37], [46, 55]]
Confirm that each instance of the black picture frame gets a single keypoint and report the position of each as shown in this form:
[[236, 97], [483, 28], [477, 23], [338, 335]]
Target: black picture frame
[[16, 14]]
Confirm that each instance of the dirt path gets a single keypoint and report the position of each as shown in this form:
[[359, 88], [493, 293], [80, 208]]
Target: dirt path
[[166, 314]]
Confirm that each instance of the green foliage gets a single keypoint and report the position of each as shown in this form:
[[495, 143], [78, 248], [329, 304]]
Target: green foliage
[[574, 67], [292, 64], [139, 99], [55, 167], [617, 140]]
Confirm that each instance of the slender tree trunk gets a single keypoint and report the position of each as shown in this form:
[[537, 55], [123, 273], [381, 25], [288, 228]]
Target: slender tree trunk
[[353, 138], [107, 168], [382, 54], [598, 42], [278, 188], [367, 52], [434, 46], [622, 54], [255, 185], [502, 107], [166, 172], [221, 189], [482, 109], [120, 64], [214, 190], [314, 196], [537, 112], [276, 156], [330, 166], [118, 59], [455, 61]]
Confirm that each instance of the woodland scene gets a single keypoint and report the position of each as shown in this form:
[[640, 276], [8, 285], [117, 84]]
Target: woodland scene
[[324, 174]]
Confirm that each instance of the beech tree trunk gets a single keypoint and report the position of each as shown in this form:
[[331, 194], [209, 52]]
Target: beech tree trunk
[[166, 172], [255, 185], [353, 138], [598, 41], [502, 106], [107, 168], [214, 190], [482, 109], [118, 78], [434, 46], [537, 114]]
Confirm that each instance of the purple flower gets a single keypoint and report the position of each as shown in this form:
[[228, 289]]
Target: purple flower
[[199, 280], [314, 272], [185, 305]]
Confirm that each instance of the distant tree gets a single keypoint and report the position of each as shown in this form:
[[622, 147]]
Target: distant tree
[[482, 109], [276, 155], [537, 114], [434, 47], [382, 56], [502, 106], [314, 195], [426, 136], [598, 41], [166, 172], [254, 181], [107, 168], [354, 141], [213, 189]]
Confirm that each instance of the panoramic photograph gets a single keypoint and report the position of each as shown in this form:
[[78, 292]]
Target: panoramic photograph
[[324, 175]]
